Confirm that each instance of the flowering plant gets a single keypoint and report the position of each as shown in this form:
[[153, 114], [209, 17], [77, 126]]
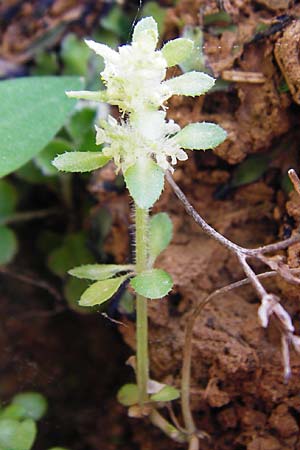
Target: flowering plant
[[144, 145]]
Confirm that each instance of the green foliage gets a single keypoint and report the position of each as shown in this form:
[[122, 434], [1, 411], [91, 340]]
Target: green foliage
[[44, 159], [154, 283], [15, 435], [80, 161], [160, 234], [27, 129], [177, 50], [128, 394], [166, 394], [101, 291], [8, 199], [250, 170], [75, 55], [73, 290], [34, 404], [145, 182], [46, 63], [99, 271], [154, 10], [117, 22], [73, 251], [8, 245], [196, 59], [200, 136]]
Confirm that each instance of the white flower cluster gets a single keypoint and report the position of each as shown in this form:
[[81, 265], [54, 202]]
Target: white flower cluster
[[150, 136], [134, 77]]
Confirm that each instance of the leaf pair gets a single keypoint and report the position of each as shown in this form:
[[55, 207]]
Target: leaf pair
[[106, 286], [128, 394]]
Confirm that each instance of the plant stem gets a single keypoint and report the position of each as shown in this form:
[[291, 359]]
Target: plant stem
[[141, 242]]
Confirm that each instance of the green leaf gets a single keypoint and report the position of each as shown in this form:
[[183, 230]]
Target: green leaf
[[154, 283], [166, 394], [80, 122], [145, 182], [101, 291], [73, 290], [8, 245], [128, 394], [75, 55], [12, 411], [177, 50], [8, 199], [160, 231], [44, 159], [250, 170], [32, 110], [200, 136], [190, 83], [72, 252], [34, 403], [16, 435], [45, 64], [146, 32], [80, 161], [117, 22], [99, 271], [196, 60]]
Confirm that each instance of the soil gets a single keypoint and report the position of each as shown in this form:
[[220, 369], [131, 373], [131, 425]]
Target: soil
[[238, 393]]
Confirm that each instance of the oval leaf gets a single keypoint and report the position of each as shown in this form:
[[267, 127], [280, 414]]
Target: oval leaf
[[16, 412], [145, 182], [200, 136], [101, 291], [80, 161], [161, 230], [177, 50], [35, 404], [128, 395], [8, 245], [166, 394], [155, 283], [99, 271], [32, 110], [190, 83], [17, 436]]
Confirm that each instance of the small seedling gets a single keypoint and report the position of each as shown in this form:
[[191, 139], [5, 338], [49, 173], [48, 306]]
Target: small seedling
[[144, 145]]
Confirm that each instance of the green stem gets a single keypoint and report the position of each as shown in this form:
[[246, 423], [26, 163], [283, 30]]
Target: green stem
[[141, 242]]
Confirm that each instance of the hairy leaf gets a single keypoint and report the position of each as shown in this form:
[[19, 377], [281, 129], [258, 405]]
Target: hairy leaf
[[32, 110], [80, 161], [166, 394], [200, 136], [101, 291], [155, 283], [160, 230], [190, 84], [177, 50], [99, 271], [145, 182]]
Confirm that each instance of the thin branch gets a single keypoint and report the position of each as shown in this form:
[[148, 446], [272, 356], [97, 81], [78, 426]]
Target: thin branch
[[188, 342], [270, 303], [200, 221]]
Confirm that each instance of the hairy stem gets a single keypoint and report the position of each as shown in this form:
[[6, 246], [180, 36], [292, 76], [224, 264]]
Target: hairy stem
[[141, 243]]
